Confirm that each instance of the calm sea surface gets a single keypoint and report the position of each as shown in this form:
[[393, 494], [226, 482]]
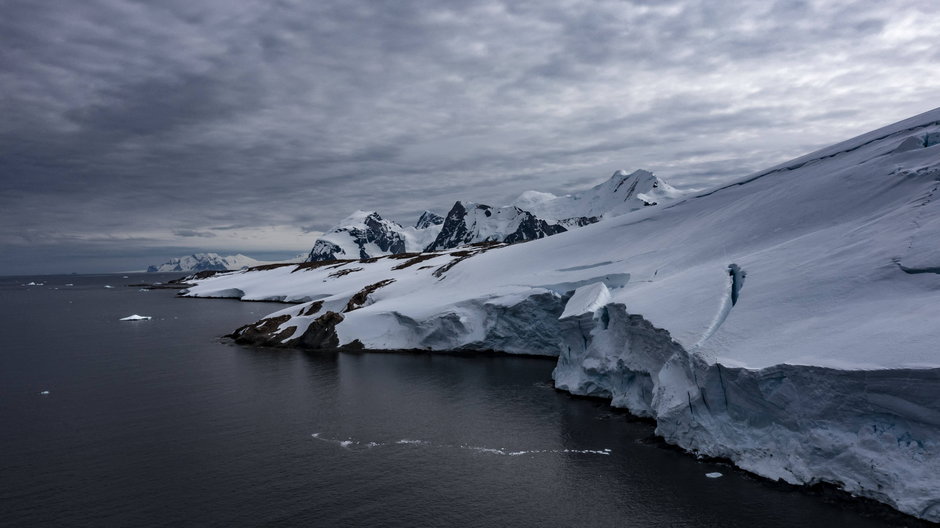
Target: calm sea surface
[[161, 423]]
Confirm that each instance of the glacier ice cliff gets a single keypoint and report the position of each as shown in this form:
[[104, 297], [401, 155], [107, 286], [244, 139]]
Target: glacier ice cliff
[[872, 433], [786, 321]]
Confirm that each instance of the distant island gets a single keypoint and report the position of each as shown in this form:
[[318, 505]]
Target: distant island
[[208, 262]]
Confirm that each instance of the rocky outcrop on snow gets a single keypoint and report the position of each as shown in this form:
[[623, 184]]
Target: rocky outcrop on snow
[[785, 321]]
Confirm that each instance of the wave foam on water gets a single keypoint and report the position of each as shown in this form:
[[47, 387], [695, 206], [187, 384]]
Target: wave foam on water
[[350, 443]]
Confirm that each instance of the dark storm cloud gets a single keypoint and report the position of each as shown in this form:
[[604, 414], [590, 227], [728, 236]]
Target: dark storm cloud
[[137, 128]]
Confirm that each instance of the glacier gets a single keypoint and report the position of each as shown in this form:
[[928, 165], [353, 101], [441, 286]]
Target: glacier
[[784, 321]]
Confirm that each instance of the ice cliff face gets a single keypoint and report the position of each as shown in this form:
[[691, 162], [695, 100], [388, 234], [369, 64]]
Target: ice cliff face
[[205, 262], [874, 433], [785, 321]]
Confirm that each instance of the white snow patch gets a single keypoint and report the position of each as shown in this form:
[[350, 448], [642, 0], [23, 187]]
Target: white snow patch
[[587, 299]]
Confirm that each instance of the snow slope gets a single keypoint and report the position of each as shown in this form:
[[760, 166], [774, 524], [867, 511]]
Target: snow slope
[[785, 321], [620, 194]]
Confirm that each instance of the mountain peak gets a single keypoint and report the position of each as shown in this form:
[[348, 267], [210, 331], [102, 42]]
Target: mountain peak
[[428, 219]]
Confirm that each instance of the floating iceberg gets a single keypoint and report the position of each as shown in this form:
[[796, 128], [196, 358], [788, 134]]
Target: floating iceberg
[[136, 317]]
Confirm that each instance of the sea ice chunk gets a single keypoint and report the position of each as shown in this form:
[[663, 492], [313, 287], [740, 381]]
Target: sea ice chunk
[[136, 317]]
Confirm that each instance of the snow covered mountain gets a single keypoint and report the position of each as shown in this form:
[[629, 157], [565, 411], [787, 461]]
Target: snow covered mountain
[[428, 219], [621, 194], [206, 262], [365, 234], [469, 223], [533, 215], [786, 322]]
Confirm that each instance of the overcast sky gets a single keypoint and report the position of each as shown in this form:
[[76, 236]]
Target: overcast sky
[[135, 131]]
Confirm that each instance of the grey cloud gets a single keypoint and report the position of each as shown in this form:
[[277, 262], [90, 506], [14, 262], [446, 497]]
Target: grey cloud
[[192, 233], [133, 125]]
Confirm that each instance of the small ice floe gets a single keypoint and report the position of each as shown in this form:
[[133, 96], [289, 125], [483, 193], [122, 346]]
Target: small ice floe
[[406, 441], [70, 284], [108, 286], [124, 277], [31, 283], [136, 317], [713, 475], [44, 393]]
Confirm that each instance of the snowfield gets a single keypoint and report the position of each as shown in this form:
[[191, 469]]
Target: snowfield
[[786, 321]]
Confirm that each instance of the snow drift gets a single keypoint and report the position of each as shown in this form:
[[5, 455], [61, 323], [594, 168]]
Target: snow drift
[[785, 321]]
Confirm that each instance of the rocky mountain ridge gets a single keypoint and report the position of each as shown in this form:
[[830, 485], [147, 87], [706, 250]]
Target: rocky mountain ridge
[[534, 215]]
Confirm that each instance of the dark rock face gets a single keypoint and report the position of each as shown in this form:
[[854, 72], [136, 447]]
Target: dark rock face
[[323, 250], [376, 231], [532, 228], [454, 231], [321, 334], [428, 219], [263, 333], [579, 221], [362, 295], [461, 226]]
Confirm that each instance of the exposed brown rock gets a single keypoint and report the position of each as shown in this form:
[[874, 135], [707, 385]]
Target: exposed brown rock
[[340, 273], [264, 267], [403, 256], [320, 264], [463, 254], [313, 308], [321, 334], [262, 333], [362, 295], [418, 257]]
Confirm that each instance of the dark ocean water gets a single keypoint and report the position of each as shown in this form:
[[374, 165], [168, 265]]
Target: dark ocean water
[[160, 423]]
